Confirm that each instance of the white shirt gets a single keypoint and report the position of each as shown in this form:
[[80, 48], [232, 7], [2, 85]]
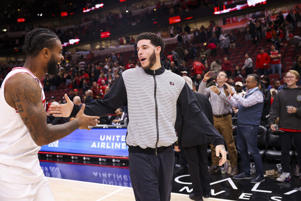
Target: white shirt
[[19, 163], [251, 100]]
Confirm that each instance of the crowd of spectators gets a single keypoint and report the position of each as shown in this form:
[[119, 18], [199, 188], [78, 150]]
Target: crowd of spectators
[[196, 52], [197, 58]]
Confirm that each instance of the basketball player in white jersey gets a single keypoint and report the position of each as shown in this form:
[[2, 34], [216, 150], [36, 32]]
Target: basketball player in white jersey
[[23, 127]]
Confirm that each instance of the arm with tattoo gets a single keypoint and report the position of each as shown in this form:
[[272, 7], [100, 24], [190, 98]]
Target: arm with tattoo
[[23, 93]]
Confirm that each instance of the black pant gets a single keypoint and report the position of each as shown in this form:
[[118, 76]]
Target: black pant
[[249, 71], [286, 143], [151, 175], [198, 168]]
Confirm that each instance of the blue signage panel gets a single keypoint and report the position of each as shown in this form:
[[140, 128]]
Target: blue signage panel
[[98, 141], [98, 174]]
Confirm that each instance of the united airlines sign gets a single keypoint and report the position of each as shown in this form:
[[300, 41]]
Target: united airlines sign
[[98, 141]]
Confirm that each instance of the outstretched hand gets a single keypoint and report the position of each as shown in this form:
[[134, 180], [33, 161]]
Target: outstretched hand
[[62, 110], [86, 121]]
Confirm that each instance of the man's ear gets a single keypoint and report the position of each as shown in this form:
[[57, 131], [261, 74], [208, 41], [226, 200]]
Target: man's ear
[[45, 52], [158, 50]]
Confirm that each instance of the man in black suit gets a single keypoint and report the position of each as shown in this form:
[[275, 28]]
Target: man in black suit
[[196, 153]]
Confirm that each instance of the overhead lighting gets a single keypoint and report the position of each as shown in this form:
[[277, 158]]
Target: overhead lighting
[[105, 34], [4, 30], [249, 3], [71, 42], [20, 20], [126, 10], [97, 6], [175, 19], [64, 14]]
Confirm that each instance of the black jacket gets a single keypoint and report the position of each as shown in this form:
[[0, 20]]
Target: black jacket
[[195, 125]]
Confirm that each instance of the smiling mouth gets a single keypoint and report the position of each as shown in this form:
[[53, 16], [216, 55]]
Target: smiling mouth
[[143, 59]]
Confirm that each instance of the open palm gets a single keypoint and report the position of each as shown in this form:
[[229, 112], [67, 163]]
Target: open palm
[[62, 110]]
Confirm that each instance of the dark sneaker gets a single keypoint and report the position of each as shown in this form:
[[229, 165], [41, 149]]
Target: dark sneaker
[[258, 178], [206, 194], [197, 197], [284, 177], [242, 175], [215, 170]]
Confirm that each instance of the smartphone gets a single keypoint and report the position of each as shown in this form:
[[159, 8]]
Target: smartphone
[[211, 74]]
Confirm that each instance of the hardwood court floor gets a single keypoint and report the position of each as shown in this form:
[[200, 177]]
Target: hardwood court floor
[[70, 190]]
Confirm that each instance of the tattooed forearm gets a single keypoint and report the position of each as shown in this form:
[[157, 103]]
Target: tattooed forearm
[[24, 94]]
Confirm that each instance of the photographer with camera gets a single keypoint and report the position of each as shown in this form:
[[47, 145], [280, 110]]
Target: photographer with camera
[[222, 116]]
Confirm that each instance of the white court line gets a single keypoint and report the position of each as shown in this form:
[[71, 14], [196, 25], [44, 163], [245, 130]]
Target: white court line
[[110, 194]]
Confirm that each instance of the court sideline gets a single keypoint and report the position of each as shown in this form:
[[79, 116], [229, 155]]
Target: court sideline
[[70, 190]]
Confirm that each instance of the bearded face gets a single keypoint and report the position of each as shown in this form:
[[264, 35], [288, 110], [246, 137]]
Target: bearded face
[[52, 66]]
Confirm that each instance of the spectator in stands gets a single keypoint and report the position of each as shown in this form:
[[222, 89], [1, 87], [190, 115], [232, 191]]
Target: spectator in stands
[[248, 65], [224, 43], [88, 99], [85, 85], [269, 35], [262, 63], [239, 88], [198, 67], [120, 118], [275, 60], [203, 59], [77, 101], [211, 49], [232, 38], [174, 68], [46, 83], [222, 117], [252, 31], [227, 67], [287, 107], [237, 75], [197, 81], [187, 79], [249, 115], [215, 66], [277, 85], [103, 87], [95, 89], [73, 93]]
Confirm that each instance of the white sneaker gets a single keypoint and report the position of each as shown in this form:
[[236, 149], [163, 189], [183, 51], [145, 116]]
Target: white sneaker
[[284, 177]]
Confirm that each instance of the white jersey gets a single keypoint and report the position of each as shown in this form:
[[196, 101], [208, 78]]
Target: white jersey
[[19, 163]]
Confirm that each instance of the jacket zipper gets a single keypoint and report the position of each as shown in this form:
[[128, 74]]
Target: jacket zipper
[[156, 110]]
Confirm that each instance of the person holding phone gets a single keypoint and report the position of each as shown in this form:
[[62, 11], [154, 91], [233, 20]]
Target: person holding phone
[[287, 107], [222, 117]]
